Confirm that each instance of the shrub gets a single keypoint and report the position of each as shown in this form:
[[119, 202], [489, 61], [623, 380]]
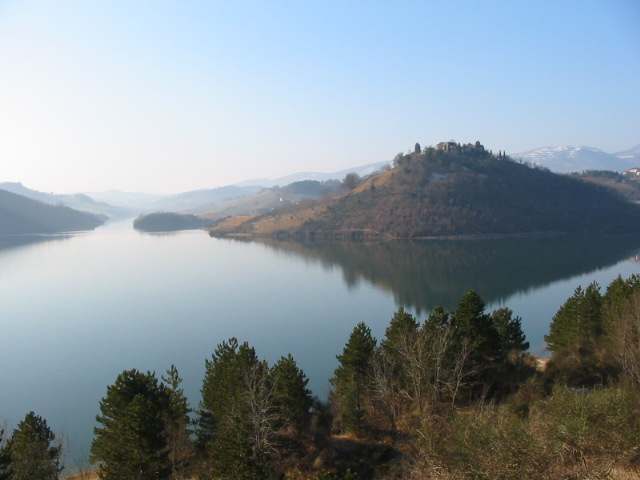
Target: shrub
[[579, 424]]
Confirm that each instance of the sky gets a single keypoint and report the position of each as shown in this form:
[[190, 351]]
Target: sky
[[168, 96]]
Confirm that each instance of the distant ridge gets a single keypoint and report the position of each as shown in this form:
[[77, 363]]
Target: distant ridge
[[22, 215], [215, 198], [452, 190], [631, 155], [362, 170], [570, 159], [77, 201]]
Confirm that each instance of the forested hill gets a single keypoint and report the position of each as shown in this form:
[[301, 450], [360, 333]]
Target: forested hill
[[169, 221], [454, 190], [22, 215]]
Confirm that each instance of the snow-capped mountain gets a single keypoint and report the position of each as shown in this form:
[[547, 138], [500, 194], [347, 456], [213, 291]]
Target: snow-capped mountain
[[632, 155], [568, 158]]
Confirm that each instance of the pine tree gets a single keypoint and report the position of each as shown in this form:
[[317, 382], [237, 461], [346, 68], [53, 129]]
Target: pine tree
[[509, 328], [223, 384], [233, 413], [472, 324], [513, 344], [397, 346], [351, 377], [438, 318], [4, 456], [578, 322], [291, 396], [403, 326], [177, 424], [475, 333], [576, 338], [130, 441], [30, 453], [615, 301]]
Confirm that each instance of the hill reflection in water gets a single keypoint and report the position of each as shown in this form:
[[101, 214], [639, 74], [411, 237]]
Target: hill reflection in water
[[11, 242], [429, 273]]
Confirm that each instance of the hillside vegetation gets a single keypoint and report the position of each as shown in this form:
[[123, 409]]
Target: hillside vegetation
[[270, 200], [626, 186], [168, 221], [465, 191], [21, 215]]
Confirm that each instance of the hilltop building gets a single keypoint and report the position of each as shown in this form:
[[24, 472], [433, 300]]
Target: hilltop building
[[453, 146], [450, 146], [632, 172]]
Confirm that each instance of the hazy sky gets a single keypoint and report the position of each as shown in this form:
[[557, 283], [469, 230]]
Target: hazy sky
[[170, 96]]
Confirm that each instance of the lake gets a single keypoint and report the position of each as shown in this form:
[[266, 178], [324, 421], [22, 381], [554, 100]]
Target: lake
[[76, 310]]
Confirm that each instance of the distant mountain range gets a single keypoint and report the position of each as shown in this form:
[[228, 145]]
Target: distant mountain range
[[136, 201], [362, 170], [264, 200], [77, 201], [216, 199], [22, 215], [569, 159]]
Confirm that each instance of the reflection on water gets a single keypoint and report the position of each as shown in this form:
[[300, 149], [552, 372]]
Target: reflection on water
[[76, 310], [425, 274], [8, 242]]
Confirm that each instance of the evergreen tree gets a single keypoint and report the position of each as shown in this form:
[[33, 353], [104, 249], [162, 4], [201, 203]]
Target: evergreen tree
[[578, 322], [475, 333], [576, 340], [472, 324], [351, 180], [4, 456], [234, 395], [564, 328], [403, 326], [291, 396], [513, 344], [438, 317], [615, 300], [30, 453], [397, 347], [509, 328], [223, 384], [177, 424], [351, 377], [130, 441]]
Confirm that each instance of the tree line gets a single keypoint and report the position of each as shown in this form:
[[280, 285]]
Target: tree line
[[454, 396]]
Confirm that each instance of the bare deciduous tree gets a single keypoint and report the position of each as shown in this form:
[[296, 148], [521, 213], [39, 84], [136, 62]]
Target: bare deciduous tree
[[627, 339], [263, 415], [385, 387], [420, 372]]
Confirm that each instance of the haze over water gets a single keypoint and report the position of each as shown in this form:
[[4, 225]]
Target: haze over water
[[77, 310]]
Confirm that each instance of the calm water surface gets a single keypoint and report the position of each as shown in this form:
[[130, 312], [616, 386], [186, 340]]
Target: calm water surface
[[77, 310]]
